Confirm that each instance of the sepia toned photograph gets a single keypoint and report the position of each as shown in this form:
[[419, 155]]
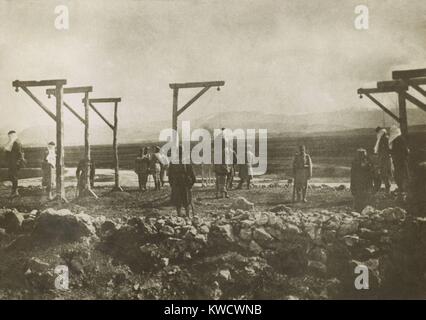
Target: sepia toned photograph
[[213, 150]]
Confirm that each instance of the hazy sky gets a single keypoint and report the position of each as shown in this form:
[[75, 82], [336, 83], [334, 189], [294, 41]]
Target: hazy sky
[[282, 56]]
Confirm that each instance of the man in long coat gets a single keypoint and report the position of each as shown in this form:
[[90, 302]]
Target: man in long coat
[[302, 173], [221, 172], [181, 179], [142, 168], [245, 170], [361, 180]]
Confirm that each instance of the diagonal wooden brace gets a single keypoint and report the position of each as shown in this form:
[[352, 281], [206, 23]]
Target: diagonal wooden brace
[[100, 115], [39, 103], [415, 101], [74, 113], [381, 106], [195, 98], [419, 89]]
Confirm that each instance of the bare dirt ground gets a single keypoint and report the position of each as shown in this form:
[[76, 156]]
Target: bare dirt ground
[[133, 246]]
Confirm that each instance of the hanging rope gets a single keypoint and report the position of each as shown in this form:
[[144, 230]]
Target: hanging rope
[[393, 108]]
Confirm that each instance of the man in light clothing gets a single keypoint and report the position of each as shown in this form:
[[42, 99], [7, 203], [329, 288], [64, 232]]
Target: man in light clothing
[[48, 168]]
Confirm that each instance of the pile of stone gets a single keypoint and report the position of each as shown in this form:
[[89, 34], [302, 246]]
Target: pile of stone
[[237, 244], [324, 244], [149, 243]]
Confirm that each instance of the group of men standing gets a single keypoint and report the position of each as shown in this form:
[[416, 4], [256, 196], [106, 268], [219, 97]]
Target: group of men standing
[[368, 172], [390, 160], [151, 164], [15, 160]]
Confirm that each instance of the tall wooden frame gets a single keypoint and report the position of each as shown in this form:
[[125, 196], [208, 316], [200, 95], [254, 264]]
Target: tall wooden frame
[[402, 81], [114, 128], [87, 190], [58, 85], [177, 86]]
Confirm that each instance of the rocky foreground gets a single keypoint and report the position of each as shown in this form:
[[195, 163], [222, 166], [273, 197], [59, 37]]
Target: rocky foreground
[[238, 252]]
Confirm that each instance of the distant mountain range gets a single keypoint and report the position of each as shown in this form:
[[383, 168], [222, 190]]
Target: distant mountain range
[[277, 124]]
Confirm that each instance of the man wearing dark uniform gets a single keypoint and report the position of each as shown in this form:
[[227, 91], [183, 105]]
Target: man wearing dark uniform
[[181, 179], [302, 172], [361, 180]]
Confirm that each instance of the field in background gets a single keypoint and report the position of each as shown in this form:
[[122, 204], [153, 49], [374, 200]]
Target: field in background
[[331, 155]]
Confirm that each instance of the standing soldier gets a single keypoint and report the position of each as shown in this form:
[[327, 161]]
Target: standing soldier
[[221, 169], [384, 160], [221, 172], [302, 173], [142, 168], [181, 179], [14, 159], [232, 167], [48, 169], [245, 170], [361, 180]]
